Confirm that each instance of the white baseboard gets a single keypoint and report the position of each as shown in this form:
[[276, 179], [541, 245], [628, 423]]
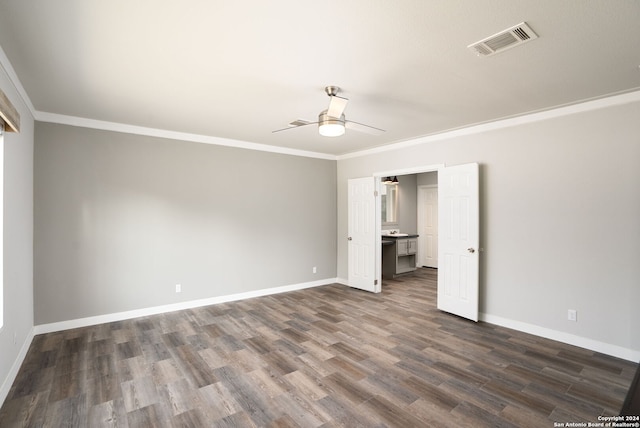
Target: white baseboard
[[571, 339], [594, 345], [120, 316], [15, 368]]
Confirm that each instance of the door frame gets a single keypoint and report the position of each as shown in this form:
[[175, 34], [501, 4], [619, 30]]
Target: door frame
[[378, 225]]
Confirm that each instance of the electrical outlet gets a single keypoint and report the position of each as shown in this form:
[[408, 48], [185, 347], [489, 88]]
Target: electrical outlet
[[178, 288], [315, 270], [572, 315]]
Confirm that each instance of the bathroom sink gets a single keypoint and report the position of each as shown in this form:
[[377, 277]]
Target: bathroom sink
[[396, 234]]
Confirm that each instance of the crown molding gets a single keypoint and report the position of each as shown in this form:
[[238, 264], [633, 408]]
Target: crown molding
[[6, 66], [583, 106], [574, 108], [173, 135]]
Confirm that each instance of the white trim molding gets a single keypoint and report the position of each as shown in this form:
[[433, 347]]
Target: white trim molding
[[413, 170], [560, 111], [5, 64], [120, 316], [15, 368], [82, 122], [560, 336]]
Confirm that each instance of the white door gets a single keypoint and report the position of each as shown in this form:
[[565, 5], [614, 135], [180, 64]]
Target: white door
[[362, 234], [458, 232], [428, 226]]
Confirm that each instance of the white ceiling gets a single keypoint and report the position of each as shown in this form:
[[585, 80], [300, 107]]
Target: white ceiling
[[241, 69]]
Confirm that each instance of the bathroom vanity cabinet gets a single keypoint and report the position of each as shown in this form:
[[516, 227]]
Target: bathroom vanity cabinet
[[398, 255]]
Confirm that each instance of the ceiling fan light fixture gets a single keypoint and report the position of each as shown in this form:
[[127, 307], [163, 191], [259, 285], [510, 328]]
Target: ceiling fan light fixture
[[330, 126], [331, 130]]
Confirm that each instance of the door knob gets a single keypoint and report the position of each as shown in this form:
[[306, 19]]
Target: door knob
[[350, 238], [471, 250]]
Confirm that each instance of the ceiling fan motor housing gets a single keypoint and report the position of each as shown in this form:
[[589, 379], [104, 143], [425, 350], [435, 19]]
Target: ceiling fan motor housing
[[330, 126]]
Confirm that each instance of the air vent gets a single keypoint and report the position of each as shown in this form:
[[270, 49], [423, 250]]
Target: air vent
[[509, 38]]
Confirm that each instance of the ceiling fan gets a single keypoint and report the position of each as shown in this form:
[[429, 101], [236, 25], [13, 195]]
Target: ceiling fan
[[331, 122]]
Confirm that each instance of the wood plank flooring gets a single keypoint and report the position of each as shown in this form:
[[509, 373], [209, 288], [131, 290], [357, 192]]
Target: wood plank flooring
[[322, 357]]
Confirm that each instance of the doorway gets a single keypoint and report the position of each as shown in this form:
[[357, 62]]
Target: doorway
[[458, 238], [419, 176]]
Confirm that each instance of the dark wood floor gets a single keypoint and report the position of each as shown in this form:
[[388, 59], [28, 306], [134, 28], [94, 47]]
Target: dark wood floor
[[328, 356]]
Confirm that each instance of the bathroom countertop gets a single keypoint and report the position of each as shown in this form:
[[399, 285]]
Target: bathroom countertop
[[398, 237]]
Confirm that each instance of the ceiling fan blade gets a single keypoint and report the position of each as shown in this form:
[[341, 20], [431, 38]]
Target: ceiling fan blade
[[295, 124], [336, 106], [361, 127]]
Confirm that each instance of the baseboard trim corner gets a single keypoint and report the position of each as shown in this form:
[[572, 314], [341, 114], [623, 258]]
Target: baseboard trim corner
[[15, 368]]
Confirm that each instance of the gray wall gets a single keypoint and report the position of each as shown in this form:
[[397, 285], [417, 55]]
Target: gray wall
[[120, 219], [427, 179], [18, 237], [560, 218]]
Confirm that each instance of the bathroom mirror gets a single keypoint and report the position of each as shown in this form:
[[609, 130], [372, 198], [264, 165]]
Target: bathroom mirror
[[389, 203]]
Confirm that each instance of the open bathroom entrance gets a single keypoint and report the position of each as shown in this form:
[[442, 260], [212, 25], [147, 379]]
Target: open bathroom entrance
[[409, 204], [458, 235]]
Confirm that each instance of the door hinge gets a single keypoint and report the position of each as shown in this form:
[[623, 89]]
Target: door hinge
[[375, 193], [375, 282]]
